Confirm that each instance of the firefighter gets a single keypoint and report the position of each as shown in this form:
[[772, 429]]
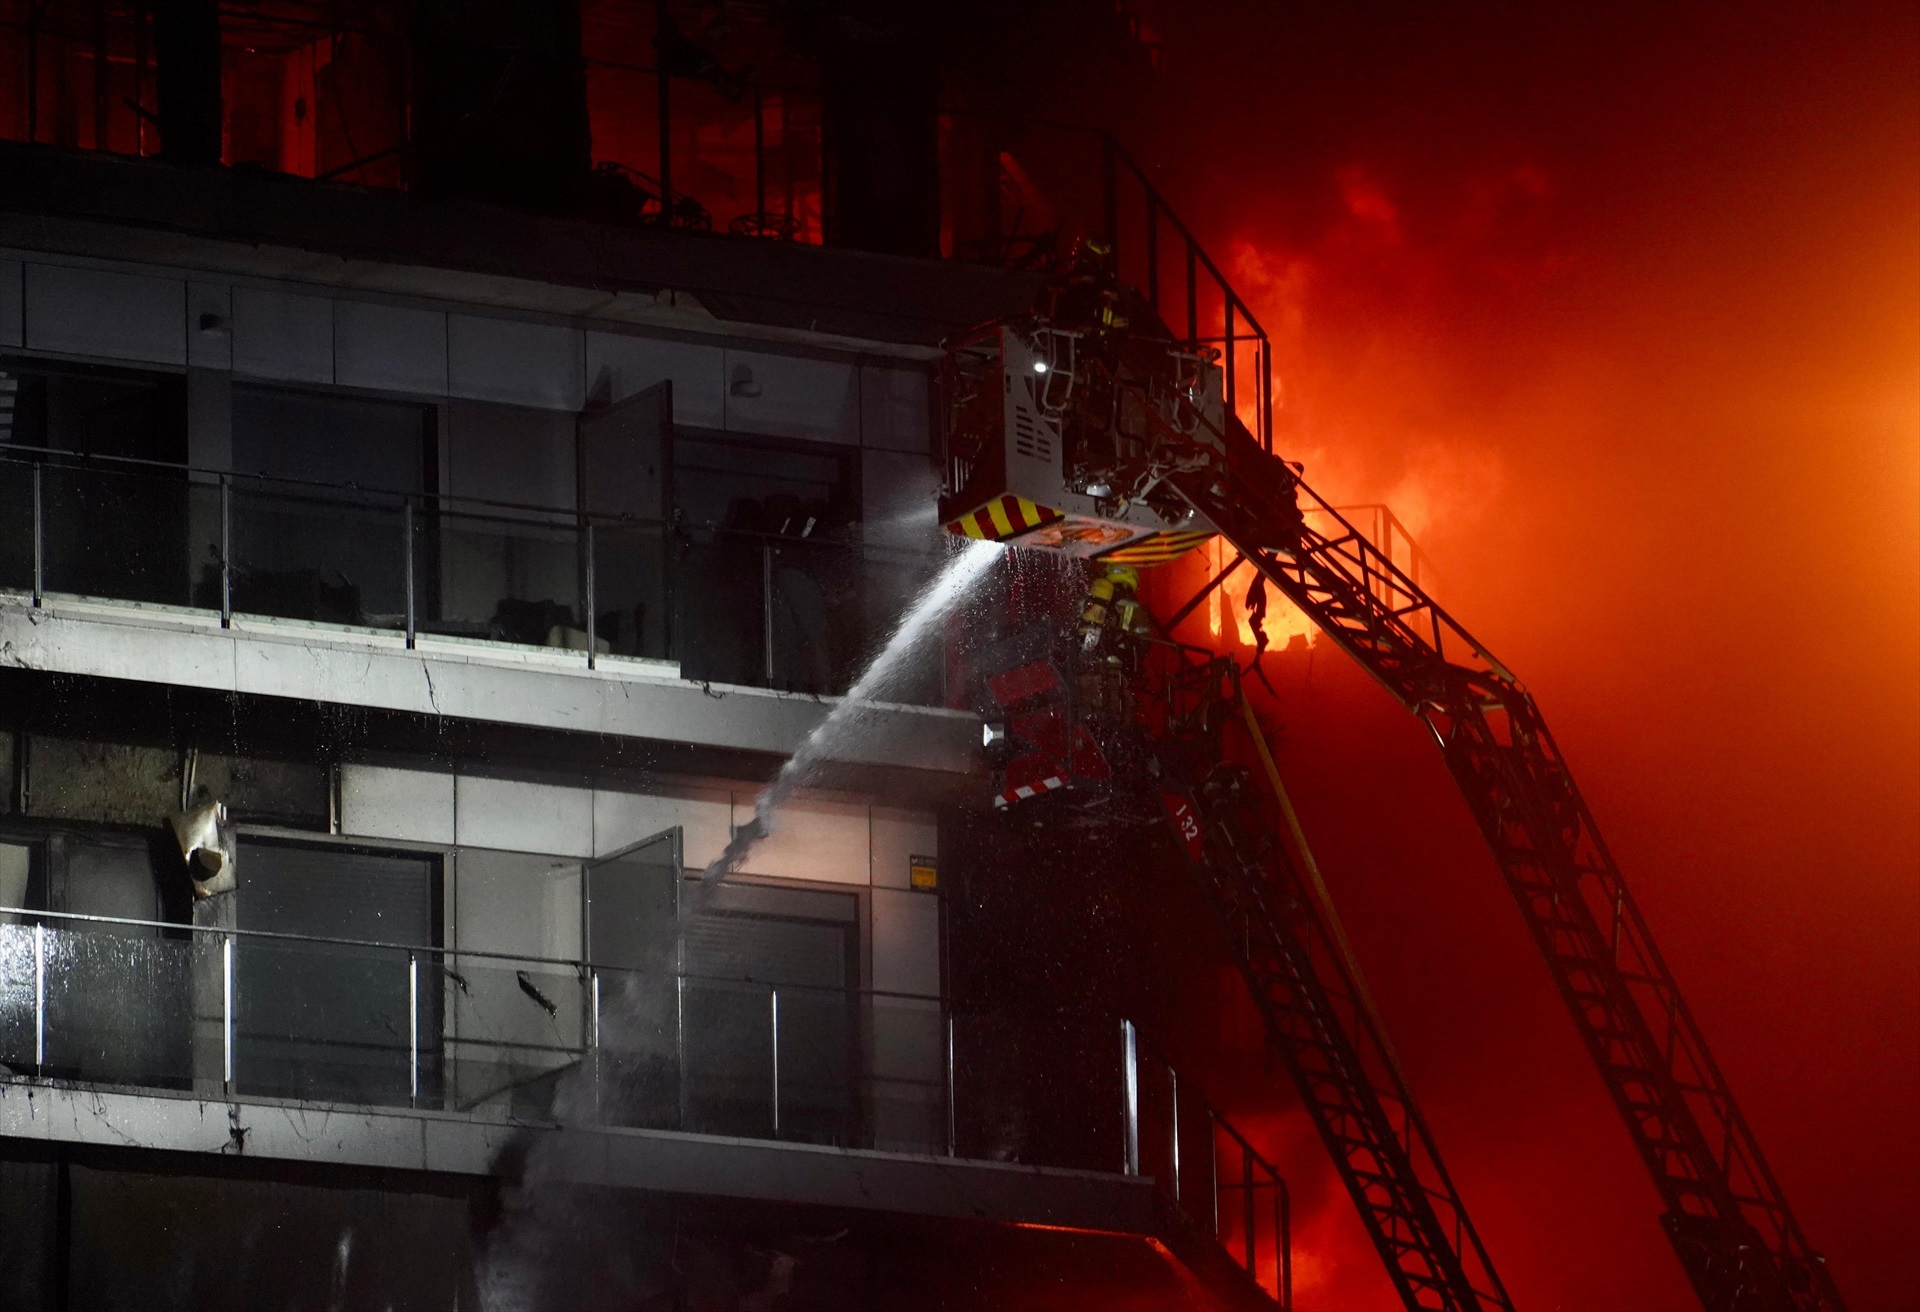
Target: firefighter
[[1112, 605], [1111, 617]]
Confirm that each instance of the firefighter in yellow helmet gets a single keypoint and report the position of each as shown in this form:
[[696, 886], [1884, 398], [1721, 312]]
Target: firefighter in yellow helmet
[[1110, 615]]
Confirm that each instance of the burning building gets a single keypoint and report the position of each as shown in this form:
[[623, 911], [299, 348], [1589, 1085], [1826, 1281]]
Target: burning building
[[458, 463]]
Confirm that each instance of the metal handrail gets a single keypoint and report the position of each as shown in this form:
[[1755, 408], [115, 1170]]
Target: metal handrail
[[592, 535], [580, 964], [1133, 1049]]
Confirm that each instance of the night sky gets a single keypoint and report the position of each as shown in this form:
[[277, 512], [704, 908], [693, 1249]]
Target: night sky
[[1619, 307]]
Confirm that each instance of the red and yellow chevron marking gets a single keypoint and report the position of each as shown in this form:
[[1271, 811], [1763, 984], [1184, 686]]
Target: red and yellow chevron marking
[[1002, 518], [1156, 550]]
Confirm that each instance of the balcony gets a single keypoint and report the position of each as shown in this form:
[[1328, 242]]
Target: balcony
[[765, 610], [412, 602], [197, 1038]]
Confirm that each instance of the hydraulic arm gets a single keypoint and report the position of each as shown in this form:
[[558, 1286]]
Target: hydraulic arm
[[1316, 1015], [1085, 430], [1726, 1215]]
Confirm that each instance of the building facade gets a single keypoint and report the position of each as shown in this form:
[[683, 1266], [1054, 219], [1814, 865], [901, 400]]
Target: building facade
[[407, 588]]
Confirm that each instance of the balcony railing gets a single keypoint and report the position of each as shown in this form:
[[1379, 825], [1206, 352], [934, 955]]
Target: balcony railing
[[1215, 1178], [793, 613], [240, 1013]]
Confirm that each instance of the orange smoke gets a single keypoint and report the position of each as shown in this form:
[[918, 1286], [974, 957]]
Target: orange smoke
[[1632, 344]]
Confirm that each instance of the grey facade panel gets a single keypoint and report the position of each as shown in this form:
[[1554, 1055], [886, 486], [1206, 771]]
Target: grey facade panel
[[12, 304], [906, 942], [619, 366], [390, 348], [281, 336], [120, 316], [411, 805], [209, 325], [894, 408], [523, 817], [527, 364], [792, 396]]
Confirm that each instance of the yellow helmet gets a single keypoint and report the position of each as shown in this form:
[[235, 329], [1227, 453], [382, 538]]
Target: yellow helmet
[[1125, 576]]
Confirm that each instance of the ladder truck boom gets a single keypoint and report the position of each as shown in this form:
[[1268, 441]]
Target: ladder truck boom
[[1084, 429]]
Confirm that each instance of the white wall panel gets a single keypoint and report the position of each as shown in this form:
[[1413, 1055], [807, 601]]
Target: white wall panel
[[894, 411], [898, 836], [414, 806], [623, 819], [906, 942], [825, 841], [209, 325], [520, 902], [795, 397], [122, 316], [282, 336], [523, 817], [620, 366], [519, 363], [12, 303], [390, 348]]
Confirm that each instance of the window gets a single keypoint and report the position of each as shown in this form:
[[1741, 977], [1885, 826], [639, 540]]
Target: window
[[335, 552], [770, 591], [110, 530], [94, 411], [335, 1020]]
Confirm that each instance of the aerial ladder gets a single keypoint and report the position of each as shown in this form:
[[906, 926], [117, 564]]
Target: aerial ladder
[[1085, 430]]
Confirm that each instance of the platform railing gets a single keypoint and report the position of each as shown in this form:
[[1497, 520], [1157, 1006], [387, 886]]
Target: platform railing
[[1206, 1167], [228, 1012], [759, 609]]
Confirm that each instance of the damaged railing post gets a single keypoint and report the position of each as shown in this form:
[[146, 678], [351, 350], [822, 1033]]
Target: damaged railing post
[[413, 1028], [407, 550], [1130, 1095], [39, 542], [226, 551], [1246, 1193], [774, 995], [1173, 1086], [1283, 1241], [766, 609], [586, 552], [226, 1012], [39, 998], [593, 1039], [1213, 1168], [952, 1136]]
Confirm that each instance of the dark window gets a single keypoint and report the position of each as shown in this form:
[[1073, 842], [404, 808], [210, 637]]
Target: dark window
[[770, 592], [110, 529], [323, 536], [334, 1021], [338, 440], [762, 485], [94, 411], [118, 997]]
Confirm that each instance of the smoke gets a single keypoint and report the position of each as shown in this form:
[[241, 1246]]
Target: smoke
[[1620, 309], [536, 1255], [853, 712]]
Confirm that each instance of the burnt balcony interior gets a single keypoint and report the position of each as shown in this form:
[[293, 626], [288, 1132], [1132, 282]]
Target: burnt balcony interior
[[739, 558]]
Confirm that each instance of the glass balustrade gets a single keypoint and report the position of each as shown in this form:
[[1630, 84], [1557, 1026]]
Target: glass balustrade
[[796, 614], [234, 1013]]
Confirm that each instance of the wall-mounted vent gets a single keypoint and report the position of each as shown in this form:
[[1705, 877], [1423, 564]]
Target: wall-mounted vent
[[1031, 436]]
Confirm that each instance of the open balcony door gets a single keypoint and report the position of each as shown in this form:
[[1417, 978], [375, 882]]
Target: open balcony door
[[626, 485], [632, 915]]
